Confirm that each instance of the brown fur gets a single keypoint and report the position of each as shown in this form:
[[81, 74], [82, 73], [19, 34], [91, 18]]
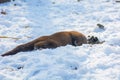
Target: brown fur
[[53, 41]]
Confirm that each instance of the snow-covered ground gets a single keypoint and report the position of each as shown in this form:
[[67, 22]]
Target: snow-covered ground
[[26, 20]]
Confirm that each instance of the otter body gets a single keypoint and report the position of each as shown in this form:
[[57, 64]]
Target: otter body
[[52, 41]]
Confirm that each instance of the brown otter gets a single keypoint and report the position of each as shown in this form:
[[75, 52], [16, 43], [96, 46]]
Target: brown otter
[[52, 41]]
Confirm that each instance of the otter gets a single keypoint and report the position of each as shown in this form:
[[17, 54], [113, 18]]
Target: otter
[[51, 41]]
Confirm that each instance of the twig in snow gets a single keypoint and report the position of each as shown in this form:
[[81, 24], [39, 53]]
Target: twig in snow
[[9, 37]]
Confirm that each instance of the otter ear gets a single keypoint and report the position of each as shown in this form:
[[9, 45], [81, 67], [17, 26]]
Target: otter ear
[[75, 43]]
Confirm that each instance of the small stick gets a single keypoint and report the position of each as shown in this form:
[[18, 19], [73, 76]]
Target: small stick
[[9, 37]]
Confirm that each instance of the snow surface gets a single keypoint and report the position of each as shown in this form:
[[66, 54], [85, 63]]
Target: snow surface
[[29, 19]]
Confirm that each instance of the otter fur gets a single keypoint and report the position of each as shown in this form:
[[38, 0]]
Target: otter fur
[[52, 41]]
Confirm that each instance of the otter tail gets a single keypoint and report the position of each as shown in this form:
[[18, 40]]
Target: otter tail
[[20, 48]]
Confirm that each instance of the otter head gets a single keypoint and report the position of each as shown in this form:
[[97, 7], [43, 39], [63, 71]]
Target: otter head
[[45, 44]]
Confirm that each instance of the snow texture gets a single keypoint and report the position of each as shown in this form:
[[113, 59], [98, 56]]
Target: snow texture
[[25, 20]]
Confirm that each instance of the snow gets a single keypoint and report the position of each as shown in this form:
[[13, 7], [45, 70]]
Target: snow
[[29, 19]]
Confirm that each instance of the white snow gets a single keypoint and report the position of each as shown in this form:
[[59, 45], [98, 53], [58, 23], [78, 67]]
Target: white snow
[[29, 19]]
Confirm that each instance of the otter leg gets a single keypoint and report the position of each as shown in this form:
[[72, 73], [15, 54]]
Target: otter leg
[[50, 44]]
